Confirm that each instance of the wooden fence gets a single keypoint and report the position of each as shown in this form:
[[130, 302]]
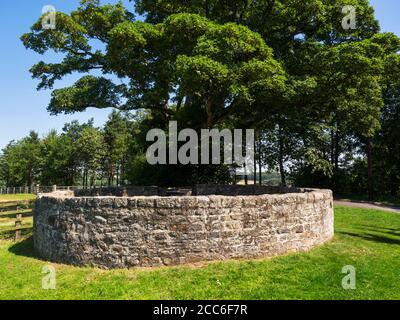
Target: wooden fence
[[35, 189], [16, 211]]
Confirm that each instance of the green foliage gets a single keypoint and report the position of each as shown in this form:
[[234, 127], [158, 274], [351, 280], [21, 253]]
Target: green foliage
[[92, 150], [280, 22], [88, 91], [317, 93], [56, 160], [62, 159], [184, 57], [386, 142], [20, 161], [119, 141], [349, 82]]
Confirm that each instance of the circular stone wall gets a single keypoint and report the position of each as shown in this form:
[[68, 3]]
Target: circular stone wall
[[153, 230]]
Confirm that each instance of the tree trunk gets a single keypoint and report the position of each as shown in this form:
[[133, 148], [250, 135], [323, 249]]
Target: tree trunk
[[260, 160], [112, 174], [246, 177], [123, 174], [94, 179], [117, 176], [332, 147], [281, 156], [370, 170], [335, 149], [255, 163]]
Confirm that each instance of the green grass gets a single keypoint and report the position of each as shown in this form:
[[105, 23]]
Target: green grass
[[12, 197], [366, 239]]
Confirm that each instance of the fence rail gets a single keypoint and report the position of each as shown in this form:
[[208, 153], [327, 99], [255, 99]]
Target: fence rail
[[36, 189], [17, 216], [47, 189]]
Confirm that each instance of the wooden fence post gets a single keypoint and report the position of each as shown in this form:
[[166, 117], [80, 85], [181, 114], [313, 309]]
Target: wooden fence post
[[18, 225]]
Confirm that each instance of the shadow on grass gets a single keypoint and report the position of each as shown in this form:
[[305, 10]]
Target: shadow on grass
[[372, 237], [24, 249], [9, 234], [384, 229], [388, 231]]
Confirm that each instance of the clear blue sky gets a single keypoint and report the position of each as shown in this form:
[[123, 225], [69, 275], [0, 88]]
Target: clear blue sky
[[22, 108]]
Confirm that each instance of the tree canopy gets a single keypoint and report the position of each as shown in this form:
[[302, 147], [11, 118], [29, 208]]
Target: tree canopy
[[321, 97], [187, 59]]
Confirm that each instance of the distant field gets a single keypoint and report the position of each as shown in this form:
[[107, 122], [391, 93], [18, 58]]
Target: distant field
[[369, 240], [11, 197]]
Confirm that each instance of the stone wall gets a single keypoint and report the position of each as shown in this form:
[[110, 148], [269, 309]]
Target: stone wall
[[243, 190], [120, 232]]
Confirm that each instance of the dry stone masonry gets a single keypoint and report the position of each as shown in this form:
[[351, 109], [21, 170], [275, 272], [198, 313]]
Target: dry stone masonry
[[146, 227]]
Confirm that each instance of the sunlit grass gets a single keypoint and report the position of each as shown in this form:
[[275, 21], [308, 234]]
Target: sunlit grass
[[12, 197], [369, 240]]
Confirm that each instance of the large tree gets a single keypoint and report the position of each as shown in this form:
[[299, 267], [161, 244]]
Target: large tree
[[186, 61], [287, 68]]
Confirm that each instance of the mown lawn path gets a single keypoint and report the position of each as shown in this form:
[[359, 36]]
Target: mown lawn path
[[367, 205]]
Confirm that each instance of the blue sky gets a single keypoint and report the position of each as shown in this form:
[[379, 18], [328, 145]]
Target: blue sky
[[22, 108]]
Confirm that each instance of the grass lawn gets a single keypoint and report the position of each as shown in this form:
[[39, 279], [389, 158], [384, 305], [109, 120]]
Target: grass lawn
[[19, 197], [366, 239]]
